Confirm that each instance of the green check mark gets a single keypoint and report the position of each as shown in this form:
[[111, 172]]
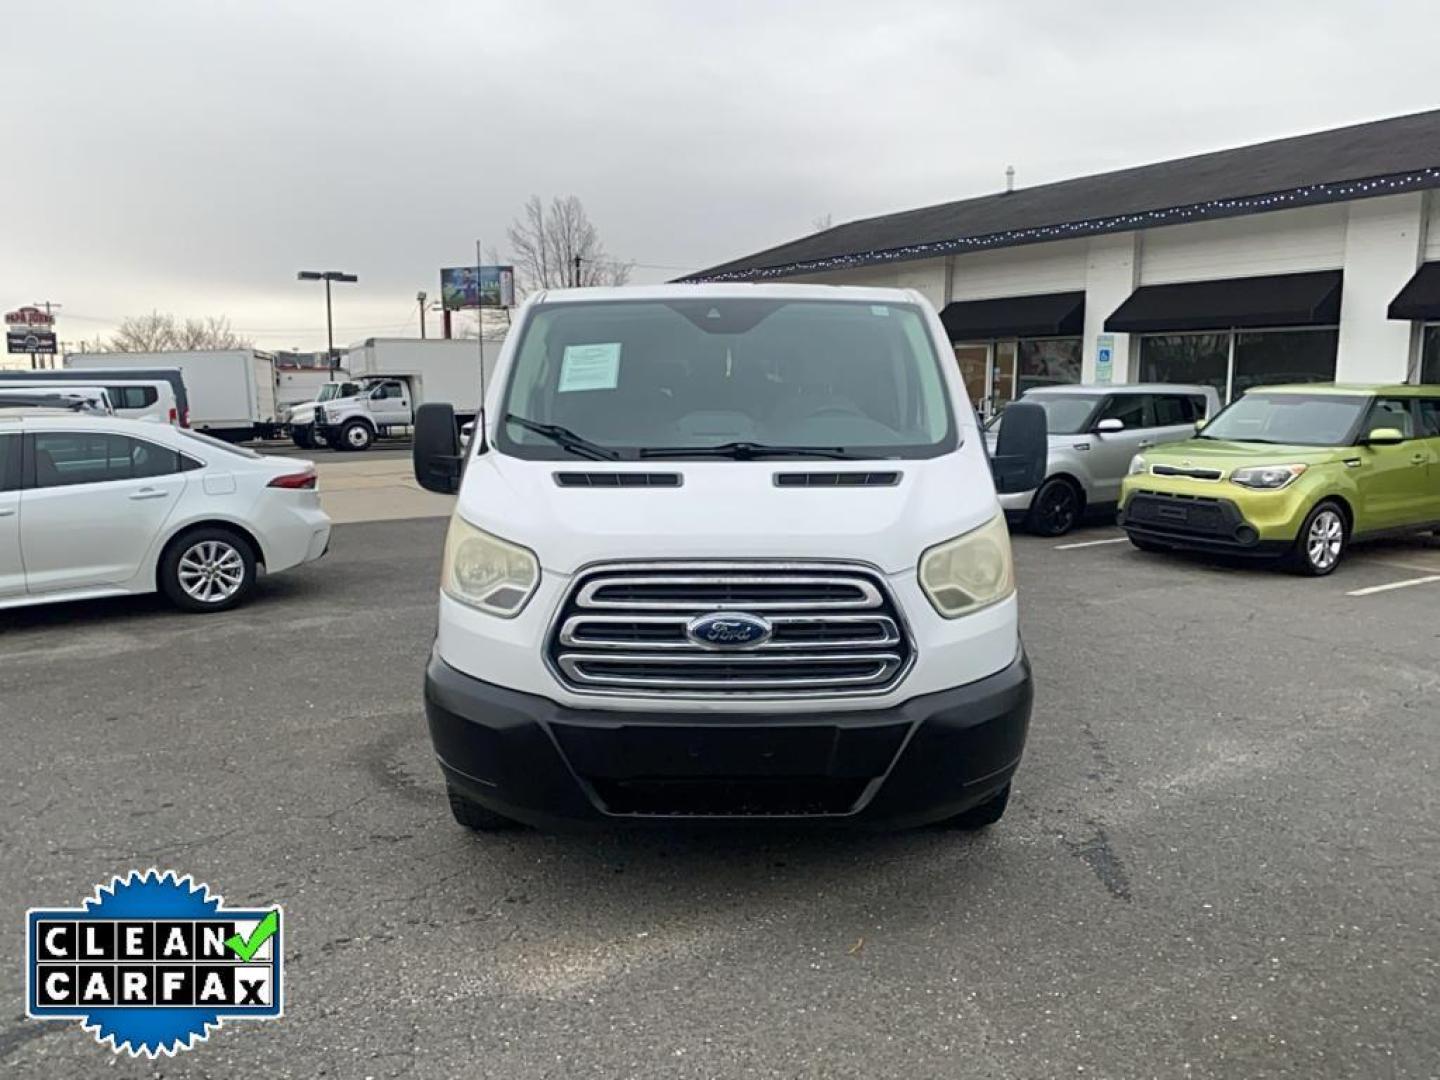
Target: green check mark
[[246, 948]]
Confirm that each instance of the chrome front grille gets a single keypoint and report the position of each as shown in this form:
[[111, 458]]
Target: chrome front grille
[[835, 630]]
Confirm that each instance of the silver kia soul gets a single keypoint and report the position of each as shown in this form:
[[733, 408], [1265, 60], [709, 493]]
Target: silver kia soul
[[1094, 431]]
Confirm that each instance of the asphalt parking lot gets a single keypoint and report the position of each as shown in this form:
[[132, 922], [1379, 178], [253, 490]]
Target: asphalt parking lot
[[1221, 859]]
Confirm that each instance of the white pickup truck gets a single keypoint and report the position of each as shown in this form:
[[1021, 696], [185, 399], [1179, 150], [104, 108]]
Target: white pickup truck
[[302, 415], [394, 377]]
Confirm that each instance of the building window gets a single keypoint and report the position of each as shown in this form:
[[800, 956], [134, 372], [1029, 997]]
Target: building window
[[1283, 356], [1198, 359], [1049, 362], [997, 372], [1430, 354], [1236, 362]]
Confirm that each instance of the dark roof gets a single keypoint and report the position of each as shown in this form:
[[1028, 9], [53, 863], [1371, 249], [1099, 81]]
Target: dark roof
[[1377, 158], [1307, 299]]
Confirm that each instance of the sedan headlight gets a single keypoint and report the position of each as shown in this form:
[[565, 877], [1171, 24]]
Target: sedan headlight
[[1267, 477], [1138, 465], [486, 572], [970, 572]]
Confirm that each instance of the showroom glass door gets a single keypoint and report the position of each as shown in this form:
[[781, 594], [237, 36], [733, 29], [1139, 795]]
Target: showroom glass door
[[1002, 381], [974, 361]]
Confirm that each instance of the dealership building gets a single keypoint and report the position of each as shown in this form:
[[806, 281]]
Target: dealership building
[[1313, 258]]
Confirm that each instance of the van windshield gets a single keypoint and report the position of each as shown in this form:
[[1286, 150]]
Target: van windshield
[[1291, 419], [702, 377]]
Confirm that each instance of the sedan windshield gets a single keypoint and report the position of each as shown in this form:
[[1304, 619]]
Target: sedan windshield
[[726, 377], [1291, 419]]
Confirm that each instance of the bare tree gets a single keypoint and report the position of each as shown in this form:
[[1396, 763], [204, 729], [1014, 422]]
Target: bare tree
[[821, 223], [158, 332], [211, 332], [144, 333], [546, 240]]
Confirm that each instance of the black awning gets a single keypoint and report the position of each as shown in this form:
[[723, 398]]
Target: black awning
[[1311, 299], [1420, 298], [1043, 315]]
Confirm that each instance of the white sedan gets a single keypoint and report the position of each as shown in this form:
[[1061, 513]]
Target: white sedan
[[94, 506]]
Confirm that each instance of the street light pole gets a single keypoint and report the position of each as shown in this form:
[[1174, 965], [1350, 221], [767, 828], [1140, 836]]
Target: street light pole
[[328, 276], [420, 298]]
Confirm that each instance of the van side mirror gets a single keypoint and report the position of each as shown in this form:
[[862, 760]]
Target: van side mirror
[[1021, 449], [436, 450], [1384, 436], [1109, 426]]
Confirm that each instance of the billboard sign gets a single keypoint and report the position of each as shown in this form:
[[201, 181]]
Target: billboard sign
[[30, 341], [477, 287], [29, 316]]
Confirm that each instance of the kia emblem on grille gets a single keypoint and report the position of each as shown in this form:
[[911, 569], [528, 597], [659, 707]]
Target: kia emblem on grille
[[729, 630]]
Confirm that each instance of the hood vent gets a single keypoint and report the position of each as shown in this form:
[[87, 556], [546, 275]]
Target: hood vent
[[837, 479], [617, 479]]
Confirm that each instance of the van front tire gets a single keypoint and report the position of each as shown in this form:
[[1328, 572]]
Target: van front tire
[[978, 817], [475, 817]]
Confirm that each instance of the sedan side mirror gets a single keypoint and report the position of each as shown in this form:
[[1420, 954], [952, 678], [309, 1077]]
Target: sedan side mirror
[[436, 450], [1384, 436], [1109, 426], [1021, 449]]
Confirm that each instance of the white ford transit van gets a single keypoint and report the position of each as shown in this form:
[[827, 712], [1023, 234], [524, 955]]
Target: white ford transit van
[[727, 551]]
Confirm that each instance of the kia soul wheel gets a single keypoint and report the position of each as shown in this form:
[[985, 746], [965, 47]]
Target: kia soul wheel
[[1055, 509], [1322, 540]]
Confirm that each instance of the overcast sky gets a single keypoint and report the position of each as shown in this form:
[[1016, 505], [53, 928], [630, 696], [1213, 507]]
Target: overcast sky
[[189, 156]]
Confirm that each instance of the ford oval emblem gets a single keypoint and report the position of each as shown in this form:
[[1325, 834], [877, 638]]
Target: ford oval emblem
[[729, 630]]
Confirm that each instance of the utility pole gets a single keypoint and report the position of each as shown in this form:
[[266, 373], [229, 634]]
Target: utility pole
[[420, 299], [49, 306]]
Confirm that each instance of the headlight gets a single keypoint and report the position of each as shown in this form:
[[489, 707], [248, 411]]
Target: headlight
[[1138, 465], [486, 572], [970, 572], [1267, 477]]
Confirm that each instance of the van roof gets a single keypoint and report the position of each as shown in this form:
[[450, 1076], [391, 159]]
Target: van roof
[[729, 290]]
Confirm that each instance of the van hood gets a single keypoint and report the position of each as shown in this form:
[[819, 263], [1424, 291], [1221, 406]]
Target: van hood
[[729, 509], [1218, 452]]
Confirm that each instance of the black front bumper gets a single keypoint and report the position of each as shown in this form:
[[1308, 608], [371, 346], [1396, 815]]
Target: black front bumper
[[535, 761], [1200, 524]]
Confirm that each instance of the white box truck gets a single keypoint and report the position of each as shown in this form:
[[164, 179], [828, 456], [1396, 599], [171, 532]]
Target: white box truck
[[231, 391], [396, 376]]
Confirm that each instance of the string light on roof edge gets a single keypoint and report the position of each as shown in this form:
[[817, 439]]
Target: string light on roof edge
[[1311, 193]]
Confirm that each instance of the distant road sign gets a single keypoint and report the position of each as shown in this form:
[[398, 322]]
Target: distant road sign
[[29, 316], [29, 341]]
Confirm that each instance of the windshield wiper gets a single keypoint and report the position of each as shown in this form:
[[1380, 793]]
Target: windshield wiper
[[746, 451], [563, 436]]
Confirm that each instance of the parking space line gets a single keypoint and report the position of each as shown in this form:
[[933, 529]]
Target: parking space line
[[1091, 543], [1428, 579]]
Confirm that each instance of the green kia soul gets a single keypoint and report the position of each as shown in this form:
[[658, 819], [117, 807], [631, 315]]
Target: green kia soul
[[1294, 472]]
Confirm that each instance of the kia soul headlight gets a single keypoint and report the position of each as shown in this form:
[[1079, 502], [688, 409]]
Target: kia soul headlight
[[1267, 477], [970, 572], [486, 572], [1138, 465]]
